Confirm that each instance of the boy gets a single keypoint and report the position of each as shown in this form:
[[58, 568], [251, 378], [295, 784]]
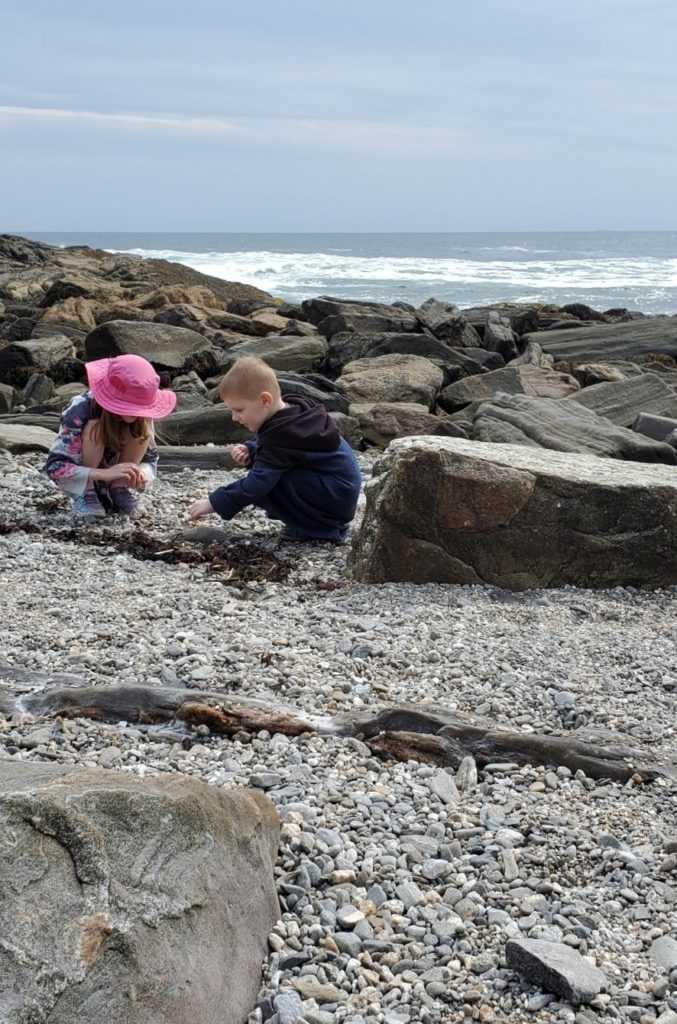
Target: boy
[[302, 471]]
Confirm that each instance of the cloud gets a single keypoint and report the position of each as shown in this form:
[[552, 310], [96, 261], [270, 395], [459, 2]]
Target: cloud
[[200, 124], [317, 132]]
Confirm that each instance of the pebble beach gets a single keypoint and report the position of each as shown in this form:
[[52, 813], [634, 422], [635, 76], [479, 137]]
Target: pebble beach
[[400, 883]]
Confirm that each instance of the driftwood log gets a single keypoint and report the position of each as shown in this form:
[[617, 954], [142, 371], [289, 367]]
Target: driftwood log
[[403, 733]]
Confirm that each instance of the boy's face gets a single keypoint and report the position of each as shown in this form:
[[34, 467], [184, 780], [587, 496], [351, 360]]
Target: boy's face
[[252, 413]]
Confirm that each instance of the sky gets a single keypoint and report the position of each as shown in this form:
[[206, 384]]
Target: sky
[[368, 115]]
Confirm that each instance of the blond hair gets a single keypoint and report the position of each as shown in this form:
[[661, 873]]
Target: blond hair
[[248, 377]]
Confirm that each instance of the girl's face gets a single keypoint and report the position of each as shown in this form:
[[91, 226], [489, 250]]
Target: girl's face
[[129, 419]]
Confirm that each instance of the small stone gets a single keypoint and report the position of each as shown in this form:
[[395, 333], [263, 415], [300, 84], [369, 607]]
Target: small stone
[[348, 942], [311, 987], [466, 775], [288, 1006], [432, 869], [410, 894], [510, 868], [265, 780], [669, 1017], [443, 786], [108, 756], [663, 952], [555, 967], [565, 700], [348, 917]]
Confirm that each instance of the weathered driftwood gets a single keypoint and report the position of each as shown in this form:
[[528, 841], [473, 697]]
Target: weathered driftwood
[[404, 733]]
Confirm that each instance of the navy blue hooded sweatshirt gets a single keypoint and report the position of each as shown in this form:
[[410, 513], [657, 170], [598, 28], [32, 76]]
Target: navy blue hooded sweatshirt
[[303, 473]]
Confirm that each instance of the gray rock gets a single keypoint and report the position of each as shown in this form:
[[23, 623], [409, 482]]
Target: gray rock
[[209, 424], [555, 967], [333, 316], [610, 341], [282, 352], [433, 868], [394, 378], [348, 942], [564, 426], [41, 353], [663, 952], [443, 786], [534, 381], [8, 398], [92, 916], [410, 894], [288, 1006], [622, 401], [447, 322], [518, 519], [161, 344], [16, 437]]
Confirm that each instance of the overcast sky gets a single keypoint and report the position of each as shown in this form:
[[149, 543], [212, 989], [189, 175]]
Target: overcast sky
[[363, 115]]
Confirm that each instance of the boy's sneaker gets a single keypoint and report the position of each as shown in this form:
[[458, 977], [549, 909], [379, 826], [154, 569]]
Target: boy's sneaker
[[123, 500], [88, 505]]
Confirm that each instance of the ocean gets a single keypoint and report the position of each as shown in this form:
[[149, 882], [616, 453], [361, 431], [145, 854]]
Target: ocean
[[604, 269]]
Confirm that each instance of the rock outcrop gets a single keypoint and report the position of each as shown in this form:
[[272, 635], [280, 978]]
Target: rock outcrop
[[446, 510], [131, 900]]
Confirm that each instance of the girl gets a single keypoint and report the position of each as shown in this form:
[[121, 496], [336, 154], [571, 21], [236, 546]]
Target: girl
[[105, 452]]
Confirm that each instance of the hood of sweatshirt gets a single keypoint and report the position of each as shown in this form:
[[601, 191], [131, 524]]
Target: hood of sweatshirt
[[289, 435]]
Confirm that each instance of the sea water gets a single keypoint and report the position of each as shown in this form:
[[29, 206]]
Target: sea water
[[636, 270]]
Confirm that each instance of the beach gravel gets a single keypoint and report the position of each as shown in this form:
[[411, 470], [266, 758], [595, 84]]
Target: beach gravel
[[400, 883]]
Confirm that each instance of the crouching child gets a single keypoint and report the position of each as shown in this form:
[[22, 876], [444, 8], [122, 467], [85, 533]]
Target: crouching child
[[301, 471]]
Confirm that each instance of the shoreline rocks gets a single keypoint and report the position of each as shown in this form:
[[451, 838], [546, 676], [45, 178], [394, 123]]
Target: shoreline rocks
[[447, 510]]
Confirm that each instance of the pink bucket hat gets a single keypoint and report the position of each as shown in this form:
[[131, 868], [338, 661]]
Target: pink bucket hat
[[129, 386]]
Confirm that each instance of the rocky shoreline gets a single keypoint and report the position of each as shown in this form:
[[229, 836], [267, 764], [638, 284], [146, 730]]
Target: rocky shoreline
[[406, 889]]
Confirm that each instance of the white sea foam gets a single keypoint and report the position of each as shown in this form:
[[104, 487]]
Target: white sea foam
[[297, 274]]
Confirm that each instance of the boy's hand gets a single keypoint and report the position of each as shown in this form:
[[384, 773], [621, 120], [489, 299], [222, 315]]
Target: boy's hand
[[240, 454], [201, 508]]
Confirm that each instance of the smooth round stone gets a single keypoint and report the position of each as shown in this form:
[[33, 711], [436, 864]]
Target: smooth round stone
[[348, 917]]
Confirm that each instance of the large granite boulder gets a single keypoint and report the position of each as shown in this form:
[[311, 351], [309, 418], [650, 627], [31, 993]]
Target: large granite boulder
[[498, 337], [38, 354], [456, 362], [393, 378], [562, 426], [164, 346], [17, 437], [610, 341], [332, 316], [128, 899], [74, 285], [201, 424], [315, 386], [295, 352], [382, 422], [537, 381], [446, 510], [445, 321], [622, 401]]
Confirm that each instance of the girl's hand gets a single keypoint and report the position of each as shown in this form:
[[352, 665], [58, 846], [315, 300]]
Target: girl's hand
[[199, 509], [240, 454], [126, 473]]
